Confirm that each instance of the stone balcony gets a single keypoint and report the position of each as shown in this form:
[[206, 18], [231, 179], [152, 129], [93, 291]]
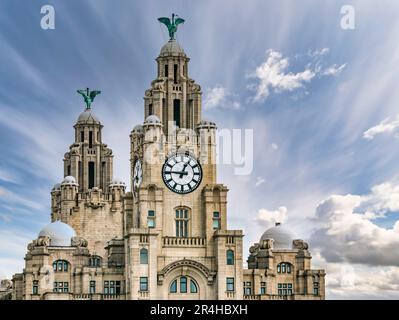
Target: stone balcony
[[183, 242]]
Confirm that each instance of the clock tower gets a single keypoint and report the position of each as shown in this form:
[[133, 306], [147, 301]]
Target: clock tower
[[176, 237]]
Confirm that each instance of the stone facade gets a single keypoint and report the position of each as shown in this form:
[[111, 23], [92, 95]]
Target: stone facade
[[151, 242]]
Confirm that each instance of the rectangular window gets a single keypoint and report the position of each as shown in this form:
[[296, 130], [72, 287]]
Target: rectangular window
[[230, 284], [284, 289], [69, 170], [316, 288], [150, 111], [90, 139], [143, 284], [181, 223], [183, 285], [106, 287], [82, 136], [151, 219], [247, 291], [92, 288], [176, 112], [61, 287], [35, 287], [263, 288], [166, 70], [91, 174], [216, 220], [175, 73]]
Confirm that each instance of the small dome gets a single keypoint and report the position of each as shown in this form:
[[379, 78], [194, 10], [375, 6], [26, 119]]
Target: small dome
[[69, 180], [117, 183], [60, 234], [57, 187], [138, 129], [88, 117], [206, 124], [282, 237], [152, 119], [172, 48]]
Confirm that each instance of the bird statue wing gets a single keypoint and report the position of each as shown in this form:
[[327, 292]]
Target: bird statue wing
[[82, 92], [178, 21], [165, 21], [93, 94]]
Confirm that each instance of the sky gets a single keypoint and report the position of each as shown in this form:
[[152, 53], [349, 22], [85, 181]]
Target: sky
[[321, 101]]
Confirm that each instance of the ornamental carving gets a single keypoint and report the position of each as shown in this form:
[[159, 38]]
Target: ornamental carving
[[300, 244], [79, 242]]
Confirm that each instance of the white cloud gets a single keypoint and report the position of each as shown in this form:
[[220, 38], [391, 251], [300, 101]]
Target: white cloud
[[259, 181], [385, 126], [274, 146], [270, 217], [345, 234], [272, 75], [220, 97]]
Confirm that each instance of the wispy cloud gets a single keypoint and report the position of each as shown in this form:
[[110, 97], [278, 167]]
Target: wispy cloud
[[386, 126], [220, 97]]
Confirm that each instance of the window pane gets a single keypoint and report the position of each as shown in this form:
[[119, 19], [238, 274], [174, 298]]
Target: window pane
[[278, 268], [216, 224], [143, 284], [143, 256], [151, 213], [193, 287], [216, 214], [230, 257], [262, 290], [183, 284], [230, 284], [151, 223], [173, 287]]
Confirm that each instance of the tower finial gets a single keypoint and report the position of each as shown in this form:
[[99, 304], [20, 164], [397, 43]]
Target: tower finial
[[171, 25], [88, 96]]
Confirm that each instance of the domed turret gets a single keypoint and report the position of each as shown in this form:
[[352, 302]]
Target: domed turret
[[88, 117], [69, 180], [281, 235], [152, 119], [60, 234], [138, 129], [117, 183], [57, 187], [172, 48], [206, 124]]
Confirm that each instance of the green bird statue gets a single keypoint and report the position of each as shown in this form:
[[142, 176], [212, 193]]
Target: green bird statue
[[88, 96], [171, 25]]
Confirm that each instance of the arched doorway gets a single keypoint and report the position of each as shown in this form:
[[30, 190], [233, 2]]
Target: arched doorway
[[184, 288]]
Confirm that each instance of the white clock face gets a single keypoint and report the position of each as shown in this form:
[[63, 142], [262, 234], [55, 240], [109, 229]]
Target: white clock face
[[182, 173], [137, 176]]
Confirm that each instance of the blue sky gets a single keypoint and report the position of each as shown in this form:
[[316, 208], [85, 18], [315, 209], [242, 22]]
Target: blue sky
[[325, 120]]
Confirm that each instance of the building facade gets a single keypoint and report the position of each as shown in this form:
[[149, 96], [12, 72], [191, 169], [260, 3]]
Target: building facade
[[167, 237]]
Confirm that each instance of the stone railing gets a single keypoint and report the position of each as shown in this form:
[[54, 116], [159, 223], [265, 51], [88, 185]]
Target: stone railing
[[83, 296], [144, 295], [252, 297], [112, 297], [183, 242]]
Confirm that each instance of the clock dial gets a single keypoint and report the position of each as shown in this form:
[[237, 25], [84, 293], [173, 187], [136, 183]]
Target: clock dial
[[182, 173], [137, 176]]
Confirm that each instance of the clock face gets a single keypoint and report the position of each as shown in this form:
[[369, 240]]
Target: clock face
[[182, 173], [137, 176]]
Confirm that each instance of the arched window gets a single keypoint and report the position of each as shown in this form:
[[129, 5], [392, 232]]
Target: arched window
[[143, 256], [173, 287], [60, 266], [284, 267], [193, 287], [230, 257], [181, 285], [95, 261]]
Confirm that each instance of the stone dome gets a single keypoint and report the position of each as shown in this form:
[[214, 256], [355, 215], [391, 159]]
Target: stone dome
[[57, 187], [206, 124], [281, 235], [138, 129], [60, 234], [152, 119], [172, 48], [117, 183], [88, 117], [69, 180]]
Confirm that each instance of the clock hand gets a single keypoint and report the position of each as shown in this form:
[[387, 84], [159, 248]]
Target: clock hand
[[183, 171], [180, 172]]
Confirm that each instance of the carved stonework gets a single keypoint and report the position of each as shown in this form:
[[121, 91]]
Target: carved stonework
[[267, 244], [6, 284], [43, 241], [79, 242], [300, 244]]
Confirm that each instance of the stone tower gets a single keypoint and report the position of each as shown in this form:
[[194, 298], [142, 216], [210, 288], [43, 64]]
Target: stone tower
[[89, 199], [179, 218]]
